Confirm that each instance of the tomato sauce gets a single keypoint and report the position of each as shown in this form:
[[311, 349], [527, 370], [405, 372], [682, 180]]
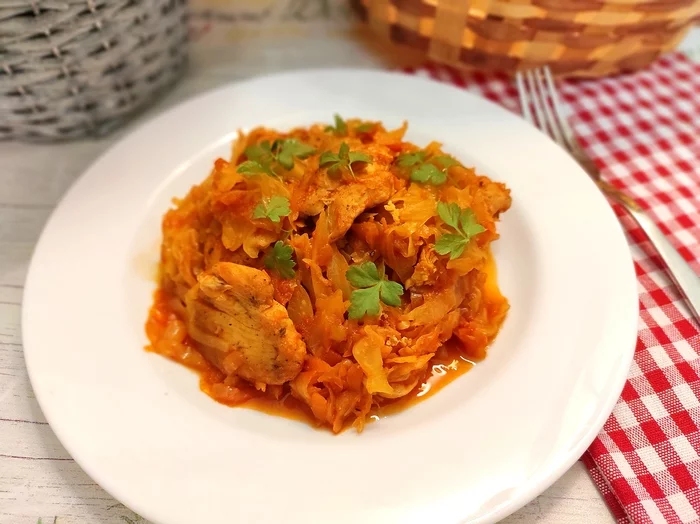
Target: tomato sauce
[[450, 362]]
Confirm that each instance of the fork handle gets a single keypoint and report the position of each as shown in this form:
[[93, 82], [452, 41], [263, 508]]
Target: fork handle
[[687, 282]]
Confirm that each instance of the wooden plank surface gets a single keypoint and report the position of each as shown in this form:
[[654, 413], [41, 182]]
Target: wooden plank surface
[[38, 479]]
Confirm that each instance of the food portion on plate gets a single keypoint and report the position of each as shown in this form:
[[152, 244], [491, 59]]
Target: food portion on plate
[[330, 273]]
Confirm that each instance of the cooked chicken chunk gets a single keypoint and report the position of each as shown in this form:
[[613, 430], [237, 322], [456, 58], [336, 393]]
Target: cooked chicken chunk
[[426, 271], [345, 198], [495, 195], [352, 199], [240, 327], [318, 194]]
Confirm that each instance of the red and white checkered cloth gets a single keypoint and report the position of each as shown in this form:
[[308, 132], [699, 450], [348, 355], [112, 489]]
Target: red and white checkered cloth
[[643, 130]]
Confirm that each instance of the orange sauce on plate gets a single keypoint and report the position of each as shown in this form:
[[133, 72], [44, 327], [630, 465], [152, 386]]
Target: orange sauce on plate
[[446, 367], [449, 363]]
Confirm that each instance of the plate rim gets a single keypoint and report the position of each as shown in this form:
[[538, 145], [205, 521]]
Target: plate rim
[[537, 485]]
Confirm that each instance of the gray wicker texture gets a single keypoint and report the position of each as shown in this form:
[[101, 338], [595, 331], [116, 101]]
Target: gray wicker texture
[[72, 68]]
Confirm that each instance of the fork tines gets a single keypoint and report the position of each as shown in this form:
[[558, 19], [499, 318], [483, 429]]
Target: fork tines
[[541, 105]]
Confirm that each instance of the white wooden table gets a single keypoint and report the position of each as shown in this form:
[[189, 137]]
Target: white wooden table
[[38, 479]]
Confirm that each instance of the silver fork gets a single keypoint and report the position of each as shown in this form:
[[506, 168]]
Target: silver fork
[[536, 88]]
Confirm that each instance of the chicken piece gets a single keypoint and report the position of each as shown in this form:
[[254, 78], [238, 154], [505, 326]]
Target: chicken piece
[[344, 197], [495, 195], [240, 328], [426, 272], [318, 195], [374, 187]]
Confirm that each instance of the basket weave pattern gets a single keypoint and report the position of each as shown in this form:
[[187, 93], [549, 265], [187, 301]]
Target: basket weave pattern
[[574, 37], [71, 68]]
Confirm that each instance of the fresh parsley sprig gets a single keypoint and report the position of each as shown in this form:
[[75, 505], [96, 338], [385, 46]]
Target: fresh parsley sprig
[[274, 209], [367, 127], [430, 173], [263, 157], [342, 160], [279, 259], [411, 159], [287, 150], [260, 159], [340, 128], [371, 289], [465, 225], [424, 170]]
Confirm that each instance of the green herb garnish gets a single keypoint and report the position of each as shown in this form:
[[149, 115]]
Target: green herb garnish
[[428, 173], [411, 159], [262, 157], [261, 152], [287, 150], [259, 161], [372, 289], [251, 167], [367, 127], [274, 209], [344, 159], [280, 260], [463, 222], [340, 128], [425, 171]]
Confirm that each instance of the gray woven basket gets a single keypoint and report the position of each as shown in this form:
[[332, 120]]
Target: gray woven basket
[[70, 68]]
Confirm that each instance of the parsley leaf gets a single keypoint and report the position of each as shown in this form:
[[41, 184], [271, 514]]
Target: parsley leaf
[[287, 150], [343, 160], [364, 275], [372, 290], [259, 161], [463, 221], [261, 153], [468, 223], [280, 259], [367, 127], [410, 159], [263, 156], [426, 171], [356, 156], [364, 302], [452, 244], [391, 293], [340, 128], [276, 208], [449, 213], [429, 173], [251, 167]]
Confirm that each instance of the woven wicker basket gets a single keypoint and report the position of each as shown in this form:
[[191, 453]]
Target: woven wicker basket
[[71, 68], [574, 37]]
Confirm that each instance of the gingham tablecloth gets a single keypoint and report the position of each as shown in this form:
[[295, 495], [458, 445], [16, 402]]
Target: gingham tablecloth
[[643, 130]]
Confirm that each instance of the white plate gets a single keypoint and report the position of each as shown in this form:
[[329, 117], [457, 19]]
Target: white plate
[[478, 450]]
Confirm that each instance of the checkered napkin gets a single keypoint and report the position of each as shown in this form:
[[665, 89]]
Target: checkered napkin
[[643, 131]]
